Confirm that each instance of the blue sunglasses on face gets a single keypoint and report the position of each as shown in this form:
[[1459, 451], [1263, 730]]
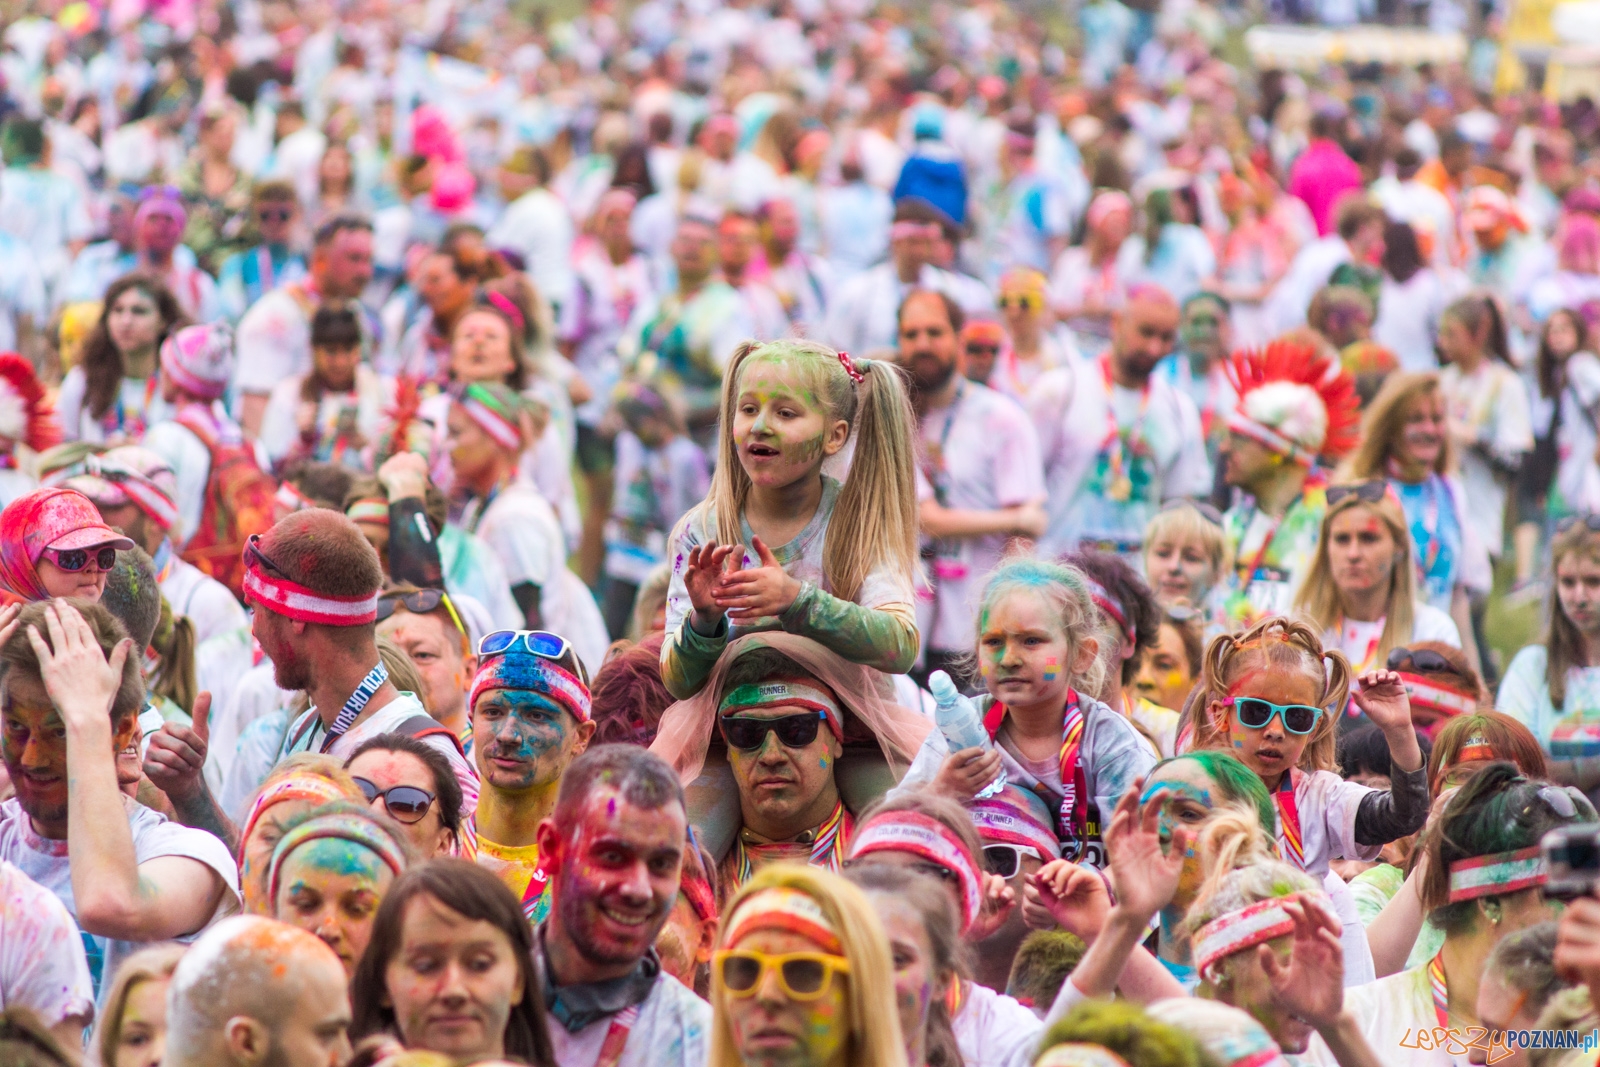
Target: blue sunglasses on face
[[1257, 714]]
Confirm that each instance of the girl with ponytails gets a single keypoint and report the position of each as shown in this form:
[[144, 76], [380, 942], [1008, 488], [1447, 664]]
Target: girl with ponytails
[[780, 542], [1271, 696]]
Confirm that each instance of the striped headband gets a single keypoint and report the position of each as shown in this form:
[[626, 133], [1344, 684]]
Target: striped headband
[[1500, 872], [910, 831], [490, 415], [1079, 1054], [102, 482], [1238, 930], [1111, 606], [784, 693], [1477, 748], [374, 510], [789, 910], [295, 601], [527, 673], [344, 826], [1435, 698], [297, 787], [1266, 435], [997, 819]]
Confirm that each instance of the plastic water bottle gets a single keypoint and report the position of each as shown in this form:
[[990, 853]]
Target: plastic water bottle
[[958, 719]]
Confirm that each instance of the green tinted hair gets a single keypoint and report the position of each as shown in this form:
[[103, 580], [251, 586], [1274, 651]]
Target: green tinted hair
[[1237, 783], [1128, 1031]]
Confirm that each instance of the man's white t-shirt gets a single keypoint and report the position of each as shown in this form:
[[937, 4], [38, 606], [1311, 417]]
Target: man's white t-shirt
[[154, 836], [273, 342]]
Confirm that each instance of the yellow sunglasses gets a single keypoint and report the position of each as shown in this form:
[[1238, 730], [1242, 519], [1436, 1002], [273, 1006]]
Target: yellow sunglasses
[[803, 975]]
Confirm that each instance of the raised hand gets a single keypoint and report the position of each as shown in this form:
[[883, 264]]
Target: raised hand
[[702, 574], [757, 592], [176, 757], [1311, 984], [1144, 877], [404, 475], [1073, 896], [1383, 697], [999, 901]]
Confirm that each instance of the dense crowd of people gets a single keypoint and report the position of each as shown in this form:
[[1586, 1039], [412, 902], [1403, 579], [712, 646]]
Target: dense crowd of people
[[792, 534]]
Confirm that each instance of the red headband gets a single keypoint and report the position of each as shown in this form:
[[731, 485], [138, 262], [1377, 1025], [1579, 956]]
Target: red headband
[[1111, 606], [295, 601]]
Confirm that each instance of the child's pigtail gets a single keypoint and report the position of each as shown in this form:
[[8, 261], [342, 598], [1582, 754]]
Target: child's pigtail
[[875, 520]]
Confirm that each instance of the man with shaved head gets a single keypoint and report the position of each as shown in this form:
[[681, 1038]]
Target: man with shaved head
[[313, 580], [253, 992], [1118, 440]]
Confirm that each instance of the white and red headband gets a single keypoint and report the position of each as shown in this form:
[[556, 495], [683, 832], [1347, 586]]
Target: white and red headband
[[913, 832], [1501, 872], [295, 601], [1238, 930]]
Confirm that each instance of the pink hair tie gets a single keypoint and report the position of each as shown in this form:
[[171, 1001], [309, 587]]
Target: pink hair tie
[[849, 366], [507, 307]]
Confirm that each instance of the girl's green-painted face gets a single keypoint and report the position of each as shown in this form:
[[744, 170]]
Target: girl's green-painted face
[[781, 429], [331, 887], [1024, 656], [1192, 798]]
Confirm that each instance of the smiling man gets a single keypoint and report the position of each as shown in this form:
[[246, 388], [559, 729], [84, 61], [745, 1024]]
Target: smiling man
[[613, 848], [530, 720]]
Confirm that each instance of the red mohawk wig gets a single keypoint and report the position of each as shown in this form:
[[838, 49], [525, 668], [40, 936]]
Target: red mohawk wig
[[1295, 400], [25, 413]]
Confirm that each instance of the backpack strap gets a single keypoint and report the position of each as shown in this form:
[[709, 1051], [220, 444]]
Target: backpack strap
[[190, 421]]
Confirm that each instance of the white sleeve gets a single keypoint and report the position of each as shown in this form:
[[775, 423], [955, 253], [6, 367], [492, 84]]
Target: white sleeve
[[69, 403], [42, 963], [1191, 472], [270, 342], [1340, 801], [1522, 687], [278, 428]]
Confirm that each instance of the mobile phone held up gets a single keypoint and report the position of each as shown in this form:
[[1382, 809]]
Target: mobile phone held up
[[1572, 860]]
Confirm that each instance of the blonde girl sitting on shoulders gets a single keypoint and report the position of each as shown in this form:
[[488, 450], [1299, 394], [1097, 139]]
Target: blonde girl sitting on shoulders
[[1039, 657], [1271, 696], [829, 560]]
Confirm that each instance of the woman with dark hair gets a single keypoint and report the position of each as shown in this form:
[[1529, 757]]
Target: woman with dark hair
[[413, 784], [1560, 476], [1130, 625], [1476, 887], [452, 918], [629, 695], [113, 392], [1411, 298]]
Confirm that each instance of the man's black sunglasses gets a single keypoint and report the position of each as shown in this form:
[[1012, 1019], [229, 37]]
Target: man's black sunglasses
[[748, 734]]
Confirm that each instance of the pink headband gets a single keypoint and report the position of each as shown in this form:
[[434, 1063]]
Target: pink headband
[[1502, 872], [904, 230], [1238, 930], [527, 673], [998, 820], [1106, 203], [1111, 606], [506, 306], [910, 831], [783, 909], [295, 601]]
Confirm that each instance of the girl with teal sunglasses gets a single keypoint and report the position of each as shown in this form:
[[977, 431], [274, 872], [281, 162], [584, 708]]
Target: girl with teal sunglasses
[[1270, 696]]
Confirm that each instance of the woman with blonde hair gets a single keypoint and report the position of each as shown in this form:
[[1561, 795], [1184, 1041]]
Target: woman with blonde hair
[[1405, 440], [1361, 588], [802, 977], [133, 1023]]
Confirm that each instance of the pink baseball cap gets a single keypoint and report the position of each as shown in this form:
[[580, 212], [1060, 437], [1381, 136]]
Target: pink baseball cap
[[69, 520]]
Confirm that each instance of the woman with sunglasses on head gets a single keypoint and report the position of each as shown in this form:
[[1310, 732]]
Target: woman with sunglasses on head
[[1554, 687], [1483, 883], [1296, 413], [412, 784], [1271, 695], [1405, 441], [449, 969], [802, 977], [112, 394], [1361, 586], [530, 714], [53, 543]]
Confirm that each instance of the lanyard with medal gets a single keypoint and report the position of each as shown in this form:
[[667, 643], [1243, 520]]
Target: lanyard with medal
[[1120, 449]]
